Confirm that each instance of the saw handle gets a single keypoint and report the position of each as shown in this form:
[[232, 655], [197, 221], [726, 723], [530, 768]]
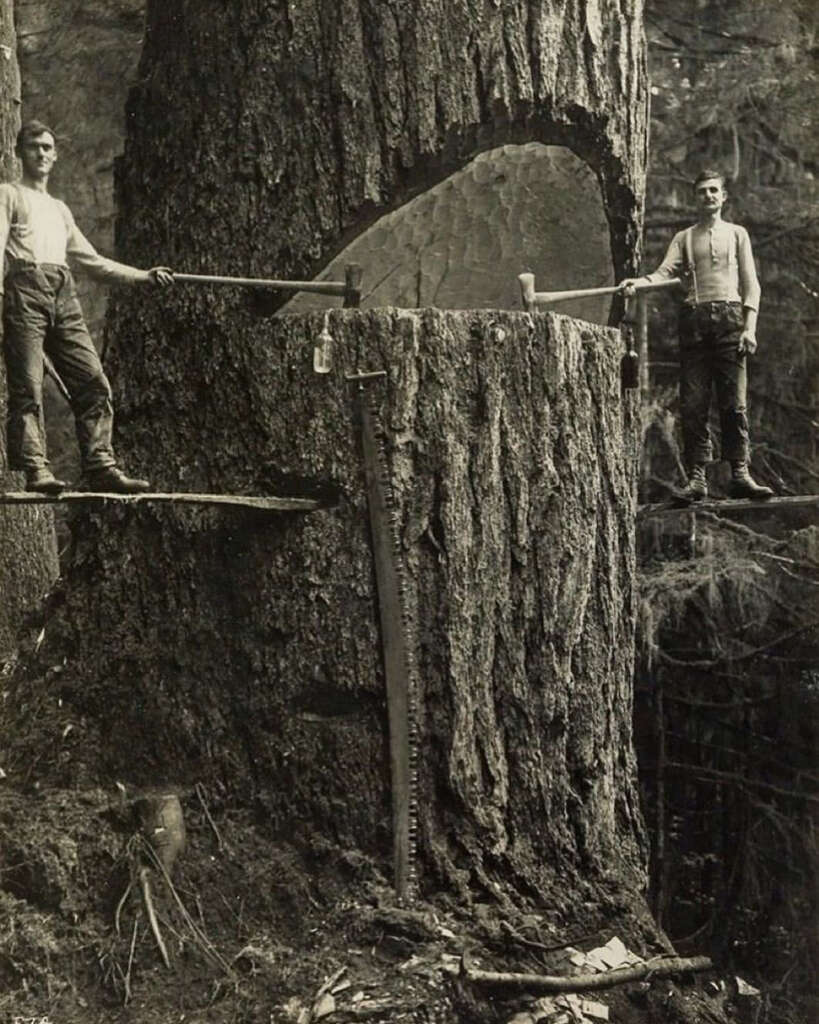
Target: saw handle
[[532, 299]]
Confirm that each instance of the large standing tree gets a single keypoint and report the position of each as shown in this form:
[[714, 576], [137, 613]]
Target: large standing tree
[[28, 559], [245, 649]]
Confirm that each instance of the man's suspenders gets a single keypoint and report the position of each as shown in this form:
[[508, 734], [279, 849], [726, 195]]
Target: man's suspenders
[[688, 247], [20, 213]]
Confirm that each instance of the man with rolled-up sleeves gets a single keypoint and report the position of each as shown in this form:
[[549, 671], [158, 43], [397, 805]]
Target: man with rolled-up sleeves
[[41, 314], [717, 332]]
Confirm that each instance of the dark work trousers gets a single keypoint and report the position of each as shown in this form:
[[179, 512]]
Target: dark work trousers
[[709, 334], [41, 313]]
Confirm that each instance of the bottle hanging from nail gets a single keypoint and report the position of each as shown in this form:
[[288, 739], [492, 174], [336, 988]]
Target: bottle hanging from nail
[[630, 370], [323, 351]]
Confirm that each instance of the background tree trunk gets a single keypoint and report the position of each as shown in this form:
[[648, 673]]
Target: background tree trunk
[[244, 649], [28, 555]]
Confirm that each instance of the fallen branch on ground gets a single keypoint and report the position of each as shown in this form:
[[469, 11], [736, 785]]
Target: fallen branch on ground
[[659, 967]]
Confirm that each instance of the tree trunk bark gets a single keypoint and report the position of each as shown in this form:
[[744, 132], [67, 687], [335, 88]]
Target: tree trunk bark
[[282, 131], [28, 554], [244, 649]]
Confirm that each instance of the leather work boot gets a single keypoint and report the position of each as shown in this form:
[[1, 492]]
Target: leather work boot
[[42, 481], [697, 488], [743, 485], [111, 480]]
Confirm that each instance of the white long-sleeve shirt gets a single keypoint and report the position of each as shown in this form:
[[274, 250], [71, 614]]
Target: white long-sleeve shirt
[[716, 263], [37, 228]]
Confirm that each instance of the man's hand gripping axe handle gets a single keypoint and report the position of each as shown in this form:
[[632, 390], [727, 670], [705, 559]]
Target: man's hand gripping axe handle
[[532, 299]]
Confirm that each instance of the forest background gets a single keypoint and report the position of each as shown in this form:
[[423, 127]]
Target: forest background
[[729, 682]]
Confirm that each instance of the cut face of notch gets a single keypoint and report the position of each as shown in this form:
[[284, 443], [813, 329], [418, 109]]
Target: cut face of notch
[[462, 243]]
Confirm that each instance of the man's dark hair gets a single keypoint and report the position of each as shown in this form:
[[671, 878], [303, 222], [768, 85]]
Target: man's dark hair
[[706, 174], [30, 130]]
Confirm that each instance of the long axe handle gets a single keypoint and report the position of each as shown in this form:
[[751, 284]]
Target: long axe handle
[[350, 288], [531, 298]]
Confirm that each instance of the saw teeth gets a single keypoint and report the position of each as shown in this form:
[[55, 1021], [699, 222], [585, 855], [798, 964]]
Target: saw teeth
[[376, 455]]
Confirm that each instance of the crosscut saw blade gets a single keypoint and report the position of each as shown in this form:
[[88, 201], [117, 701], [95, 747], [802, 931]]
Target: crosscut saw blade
[[397, 633]]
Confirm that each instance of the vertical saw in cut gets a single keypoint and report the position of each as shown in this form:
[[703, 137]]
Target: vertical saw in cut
[[397, 632]]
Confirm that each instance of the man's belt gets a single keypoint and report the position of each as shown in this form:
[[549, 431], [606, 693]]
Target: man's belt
[[15, 267]]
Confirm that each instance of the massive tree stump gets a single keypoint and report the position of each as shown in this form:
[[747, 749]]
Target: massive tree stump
[[243, 649]]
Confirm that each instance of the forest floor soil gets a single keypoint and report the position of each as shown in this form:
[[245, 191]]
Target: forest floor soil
[[260, 927], [260, 930]]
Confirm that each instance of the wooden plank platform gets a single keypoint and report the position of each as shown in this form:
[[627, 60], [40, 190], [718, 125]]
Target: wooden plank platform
[[729, 506], [73, 498]]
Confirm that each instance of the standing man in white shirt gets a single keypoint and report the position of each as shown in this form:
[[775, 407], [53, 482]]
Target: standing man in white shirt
[[41, 314], [717, 331]]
